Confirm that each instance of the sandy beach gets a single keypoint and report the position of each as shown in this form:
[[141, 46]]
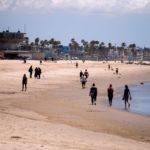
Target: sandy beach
[[56, 113]]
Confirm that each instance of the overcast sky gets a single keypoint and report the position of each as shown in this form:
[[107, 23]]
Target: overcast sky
[[114, 21]]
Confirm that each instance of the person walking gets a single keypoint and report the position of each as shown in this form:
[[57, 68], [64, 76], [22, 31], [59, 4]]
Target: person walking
[[126, 96], [81, 74], [93, 94], [24, 61], [24, 82], [36, 72], [40, 62], [83, 81], [117, 70], [110, 94], [86, 73], [39, 71], [30, 71], [77, 64], [108, 66]]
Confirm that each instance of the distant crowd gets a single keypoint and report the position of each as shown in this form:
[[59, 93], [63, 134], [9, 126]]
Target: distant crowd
[[84, 75]]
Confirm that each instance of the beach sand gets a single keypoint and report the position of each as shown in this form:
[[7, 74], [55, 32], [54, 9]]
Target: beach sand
[[56, 113]]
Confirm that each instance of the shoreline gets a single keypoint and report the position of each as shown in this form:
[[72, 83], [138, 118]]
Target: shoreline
[[52, 97], [118, 104]]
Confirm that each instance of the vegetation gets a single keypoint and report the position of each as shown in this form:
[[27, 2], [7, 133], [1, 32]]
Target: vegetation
[[90, 49]]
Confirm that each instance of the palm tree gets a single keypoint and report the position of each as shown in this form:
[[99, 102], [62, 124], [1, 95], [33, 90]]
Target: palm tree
[[74, 47], [55, 45], [123, 45], [103, 51], [121, 51], [37, 41], [109, 45], [46, 43], [32, 45], [102, 44], [51, 41], [85, 45], [93, 46], [42, 44]]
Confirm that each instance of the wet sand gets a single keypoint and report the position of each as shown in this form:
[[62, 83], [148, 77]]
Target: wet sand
[[56, 108], [140, 102]]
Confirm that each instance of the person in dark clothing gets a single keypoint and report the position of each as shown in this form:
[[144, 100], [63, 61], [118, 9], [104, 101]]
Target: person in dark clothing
[[77, 64], [40, 62], [24, 82], [30, 70], [24, 60], [117, 71], [86, 73], [36, 72], [81, 73], [45, 58], [110, 94], [93, 94], [108, 66], [39, 72], [126, 96]]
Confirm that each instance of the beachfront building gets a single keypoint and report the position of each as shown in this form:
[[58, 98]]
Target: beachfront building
[[11, 40], [14, 45], [10, 43], [146, 54]]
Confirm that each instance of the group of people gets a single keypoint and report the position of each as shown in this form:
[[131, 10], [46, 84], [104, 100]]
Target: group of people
[[126, 96], [83, 77], [37, 74], [110, 91]]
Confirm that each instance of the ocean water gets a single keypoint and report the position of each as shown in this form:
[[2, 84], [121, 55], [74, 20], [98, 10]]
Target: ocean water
[[140, 102]]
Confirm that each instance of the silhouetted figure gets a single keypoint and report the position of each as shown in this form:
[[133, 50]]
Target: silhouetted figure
[[24, 82], [36, 72], [45, 58], [117, 70], [81, 73], [86, 73], [77, 64], [39, 72], [93, 94], [30, 71], [126, 96], [52, 58], [83, 81], [110, 94], [24, 61], [108, 66], [40, 62]]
